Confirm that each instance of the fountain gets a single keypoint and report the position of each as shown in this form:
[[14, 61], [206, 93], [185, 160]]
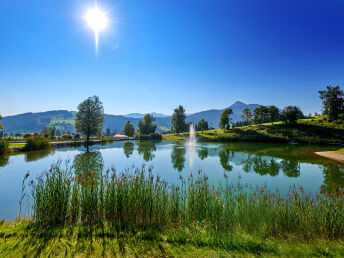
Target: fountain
[[192, 135], [192, 144]]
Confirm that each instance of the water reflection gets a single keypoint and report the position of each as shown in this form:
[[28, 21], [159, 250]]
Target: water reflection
[[37, 155], [128, 149], [88, 162], [290, 168], [4, 161], [178, 156], [146, 149], [203, 153], [225, 155], [333, 178]]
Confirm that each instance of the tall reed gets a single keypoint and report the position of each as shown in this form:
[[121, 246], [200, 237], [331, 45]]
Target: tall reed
[[137, 198]]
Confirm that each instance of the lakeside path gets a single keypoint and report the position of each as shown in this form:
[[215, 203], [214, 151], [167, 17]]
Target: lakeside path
[[331, 155]]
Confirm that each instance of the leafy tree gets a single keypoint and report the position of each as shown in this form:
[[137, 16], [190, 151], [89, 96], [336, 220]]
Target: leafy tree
[[247, 115], [128, 129], [90, 117], [203, 125], [146, 125], [273, 114], [291, 114], [178, 119], [107, 132], [225, 119], [333, 102], [260, 114], [45, 133], [52, 132], [1, 126]]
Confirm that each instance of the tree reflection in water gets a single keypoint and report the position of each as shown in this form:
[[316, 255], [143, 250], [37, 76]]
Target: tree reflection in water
[[178, 157], [203, 153], [88, 162], [290, 168], [333, 178], [36, 155], [128, 149], [146, 149], [225, 156], [4, 160]]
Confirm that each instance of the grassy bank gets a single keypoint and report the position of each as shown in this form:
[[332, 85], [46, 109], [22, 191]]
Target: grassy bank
[[19, 238], [305, 131]]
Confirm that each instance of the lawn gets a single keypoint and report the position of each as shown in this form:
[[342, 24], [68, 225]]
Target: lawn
[[305, 131], [18, 239]]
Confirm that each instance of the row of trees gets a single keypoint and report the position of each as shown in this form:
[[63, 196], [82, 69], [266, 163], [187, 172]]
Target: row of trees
[[89, 120]]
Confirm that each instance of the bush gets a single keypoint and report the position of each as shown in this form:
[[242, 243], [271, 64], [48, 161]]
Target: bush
[[4, 147], [36, 143], [66, 136], [152, 136]]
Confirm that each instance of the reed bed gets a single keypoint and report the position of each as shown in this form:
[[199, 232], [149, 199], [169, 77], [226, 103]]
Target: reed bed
[[136, 198]]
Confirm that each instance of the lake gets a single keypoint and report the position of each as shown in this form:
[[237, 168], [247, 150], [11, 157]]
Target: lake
[[280, 166]]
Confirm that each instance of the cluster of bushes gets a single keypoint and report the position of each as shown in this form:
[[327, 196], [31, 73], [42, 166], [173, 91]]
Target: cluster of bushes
[[4, 147], [152, 136], [36, 143], [138, 199]]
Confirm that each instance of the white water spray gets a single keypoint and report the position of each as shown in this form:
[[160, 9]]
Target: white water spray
[[192, 135], [192, 141]]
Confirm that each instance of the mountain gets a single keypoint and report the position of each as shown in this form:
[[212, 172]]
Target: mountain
[[64, 119], [213, 115], [139, 115]]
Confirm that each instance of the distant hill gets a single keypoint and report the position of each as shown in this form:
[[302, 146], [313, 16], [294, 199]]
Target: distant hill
[[139, 115], [213, 115], [64, 119]]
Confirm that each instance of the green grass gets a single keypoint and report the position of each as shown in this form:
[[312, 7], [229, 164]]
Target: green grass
[[17, 146], [341, 151], [84, 211], [19, 238], [305, 131], [136, 199]]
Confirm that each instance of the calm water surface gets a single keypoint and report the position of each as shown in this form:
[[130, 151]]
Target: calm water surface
[[276, 165]]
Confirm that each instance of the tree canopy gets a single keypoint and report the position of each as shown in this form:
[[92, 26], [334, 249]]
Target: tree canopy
[[291, 114], [146, 125], [89, 120], [203, 125], [273, 114], [333, 102], [225, 119], [128, 129], [247, 115], [178, 119], [260, 114], [1, 126]]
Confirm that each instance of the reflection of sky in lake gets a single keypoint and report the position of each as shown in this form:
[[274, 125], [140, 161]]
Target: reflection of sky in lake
[[277, 166]]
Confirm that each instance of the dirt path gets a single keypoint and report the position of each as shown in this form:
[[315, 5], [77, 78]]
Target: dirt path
[[331, 155]]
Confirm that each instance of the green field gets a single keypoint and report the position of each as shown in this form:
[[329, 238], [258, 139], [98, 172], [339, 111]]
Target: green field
[[19, 239], [305, 131]]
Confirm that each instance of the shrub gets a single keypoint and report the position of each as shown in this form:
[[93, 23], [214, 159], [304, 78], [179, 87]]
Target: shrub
[[66, 136], [4, 147], [152, 136], [36, 143]]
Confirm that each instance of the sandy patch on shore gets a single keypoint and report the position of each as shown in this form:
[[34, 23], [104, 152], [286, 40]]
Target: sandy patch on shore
[[331, 155]]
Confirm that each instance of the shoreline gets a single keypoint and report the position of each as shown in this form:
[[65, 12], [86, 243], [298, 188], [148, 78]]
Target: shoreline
[[331, 155]]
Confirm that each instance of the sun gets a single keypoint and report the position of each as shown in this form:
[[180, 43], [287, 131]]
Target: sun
[[97, 21]]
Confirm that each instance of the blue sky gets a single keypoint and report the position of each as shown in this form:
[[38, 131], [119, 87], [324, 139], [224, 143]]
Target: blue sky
[[156, 55]]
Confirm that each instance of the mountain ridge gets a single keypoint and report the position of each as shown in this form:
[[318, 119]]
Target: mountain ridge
[[64, 119]]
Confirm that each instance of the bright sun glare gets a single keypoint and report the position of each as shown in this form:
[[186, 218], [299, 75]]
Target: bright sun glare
[[97, 20]]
